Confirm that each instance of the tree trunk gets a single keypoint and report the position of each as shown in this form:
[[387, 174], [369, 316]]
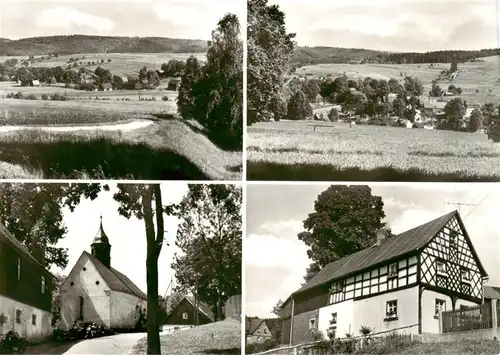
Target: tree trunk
[[153, 336]]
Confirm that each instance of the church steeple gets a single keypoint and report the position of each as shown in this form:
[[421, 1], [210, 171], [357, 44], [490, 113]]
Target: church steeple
[[101, 248]]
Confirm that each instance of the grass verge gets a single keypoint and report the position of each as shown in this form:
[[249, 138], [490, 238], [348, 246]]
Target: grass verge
[[265, 171], [216, 338]]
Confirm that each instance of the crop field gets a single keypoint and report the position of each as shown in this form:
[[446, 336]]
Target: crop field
[[291, 150], [481, 76], [121, 63]]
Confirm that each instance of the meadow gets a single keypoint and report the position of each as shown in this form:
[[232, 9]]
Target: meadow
[[291, 150], [481, 76], [121, 63]]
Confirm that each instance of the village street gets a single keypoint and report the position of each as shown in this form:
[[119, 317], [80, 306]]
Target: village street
[[115, 344]]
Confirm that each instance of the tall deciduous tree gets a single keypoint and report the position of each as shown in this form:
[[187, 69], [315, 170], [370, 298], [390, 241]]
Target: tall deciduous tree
[[209, 237], [186, 96], [454, 111], [346, 219], [298, 107], [270, 49]]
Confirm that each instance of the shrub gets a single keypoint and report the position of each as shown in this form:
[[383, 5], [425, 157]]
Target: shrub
[[80, 331], [45, 97], [12, 343], [164, 98], [261, 347], [31, 97], [58, 97]]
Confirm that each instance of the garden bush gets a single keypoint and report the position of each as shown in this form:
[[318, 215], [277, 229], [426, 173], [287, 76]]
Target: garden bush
[[12, 343]]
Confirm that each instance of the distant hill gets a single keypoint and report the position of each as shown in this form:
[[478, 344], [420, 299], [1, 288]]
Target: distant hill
[[331, 55], [75, 44]]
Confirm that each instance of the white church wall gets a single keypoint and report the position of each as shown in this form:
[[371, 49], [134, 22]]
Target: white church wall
[[125, 309], [91, 286]]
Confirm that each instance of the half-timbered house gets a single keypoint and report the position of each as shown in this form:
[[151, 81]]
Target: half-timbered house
[[399, 284], [190, 311]]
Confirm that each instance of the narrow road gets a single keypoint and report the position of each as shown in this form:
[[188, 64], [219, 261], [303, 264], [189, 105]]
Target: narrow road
[[76, 128], [120, 344]]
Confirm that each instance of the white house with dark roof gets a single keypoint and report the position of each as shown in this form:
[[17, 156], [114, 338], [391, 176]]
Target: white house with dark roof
[[400, 284], [96, 292]]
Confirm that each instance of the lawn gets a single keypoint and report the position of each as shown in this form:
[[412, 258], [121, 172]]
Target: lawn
[[291, 150], [464, 347], [216, 338]]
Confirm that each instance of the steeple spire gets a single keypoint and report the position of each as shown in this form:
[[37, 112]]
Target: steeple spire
[[100, 246]]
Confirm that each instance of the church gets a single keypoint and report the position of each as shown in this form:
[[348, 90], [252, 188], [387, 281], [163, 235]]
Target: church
[[96, 292]]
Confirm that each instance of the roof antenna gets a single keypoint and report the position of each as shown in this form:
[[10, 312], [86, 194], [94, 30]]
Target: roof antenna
[[460, 204]]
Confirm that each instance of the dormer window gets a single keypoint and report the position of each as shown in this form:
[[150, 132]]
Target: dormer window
[[465, 274], [441, 267], [393, 270]]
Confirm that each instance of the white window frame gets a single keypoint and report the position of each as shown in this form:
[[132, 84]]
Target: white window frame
[[445, 267], [312, 323], [43, 285], [18, 269], [438, 301], [184, 315], [33, 318], [388, 314], [465, 280], [392, 273]]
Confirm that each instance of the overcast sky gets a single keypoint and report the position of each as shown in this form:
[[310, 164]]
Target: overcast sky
[[276, 260], [191, 19], [126, 236], [393, 25]]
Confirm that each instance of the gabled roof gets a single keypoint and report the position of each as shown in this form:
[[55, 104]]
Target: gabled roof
[[8, 238], [491, 292], [115, 279], [202, 307], [251, 324], [399, 245]]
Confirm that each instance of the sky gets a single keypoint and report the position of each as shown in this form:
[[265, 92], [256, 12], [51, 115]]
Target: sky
[[126, 236], [393, 25], [188, 19], [276, 260]]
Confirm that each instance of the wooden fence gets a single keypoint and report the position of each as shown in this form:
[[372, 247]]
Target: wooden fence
[[478, 317]]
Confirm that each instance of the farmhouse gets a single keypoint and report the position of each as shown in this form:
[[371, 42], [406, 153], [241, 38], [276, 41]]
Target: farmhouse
[[105, 87], [189, 311], [257, 330], [400, 284], [174, 84], [25, 289], [96, 292]]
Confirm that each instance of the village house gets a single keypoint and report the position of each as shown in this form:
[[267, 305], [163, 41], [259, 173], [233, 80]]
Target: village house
[[96, 292], [257, 330], [174, 84], [400, 284], [25, 290], [189, 311], [105, 87]]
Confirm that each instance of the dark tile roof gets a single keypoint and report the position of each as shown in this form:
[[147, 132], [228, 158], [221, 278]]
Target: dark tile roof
[[115, 279], [393, 247], [202, 307], [274, 324], [251, 324]]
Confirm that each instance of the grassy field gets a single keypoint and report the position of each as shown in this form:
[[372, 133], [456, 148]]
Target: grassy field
[[291, 150], [481, 76], [121, 63], [216, 338]]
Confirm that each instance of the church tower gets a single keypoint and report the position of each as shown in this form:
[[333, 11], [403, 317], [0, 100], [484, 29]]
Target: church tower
[[101, 248]]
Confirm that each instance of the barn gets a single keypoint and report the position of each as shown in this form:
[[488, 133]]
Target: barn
[[189, 311], [399, 284], [96, 292]]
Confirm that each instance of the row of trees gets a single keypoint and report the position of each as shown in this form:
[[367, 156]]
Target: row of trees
[[209, 236], [212, 93]]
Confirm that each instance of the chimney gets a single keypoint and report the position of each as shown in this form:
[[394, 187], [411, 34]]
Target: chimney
[[381, 236], [38, 251]]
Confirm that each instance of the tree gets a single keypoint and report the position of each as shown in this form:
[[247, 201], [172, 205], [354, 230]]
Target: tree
[[398, 107], [311, 89], [436, 90], [454, 112], [298, 107], [153, 78], [333, 115], [311, 271], [395, 86], [270, 49], [56, 300], [475, 121], [185, 97], [346, 219], [277, 308], [209, 236]]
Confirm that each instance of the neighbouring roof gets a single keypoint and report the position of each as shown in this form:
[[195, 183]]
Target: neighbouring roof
[[393, 247], [202, 307], [115, 279], [106, 85], [174, 81], [273, 324], [491, 292], [252, 323], [7, 237]]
